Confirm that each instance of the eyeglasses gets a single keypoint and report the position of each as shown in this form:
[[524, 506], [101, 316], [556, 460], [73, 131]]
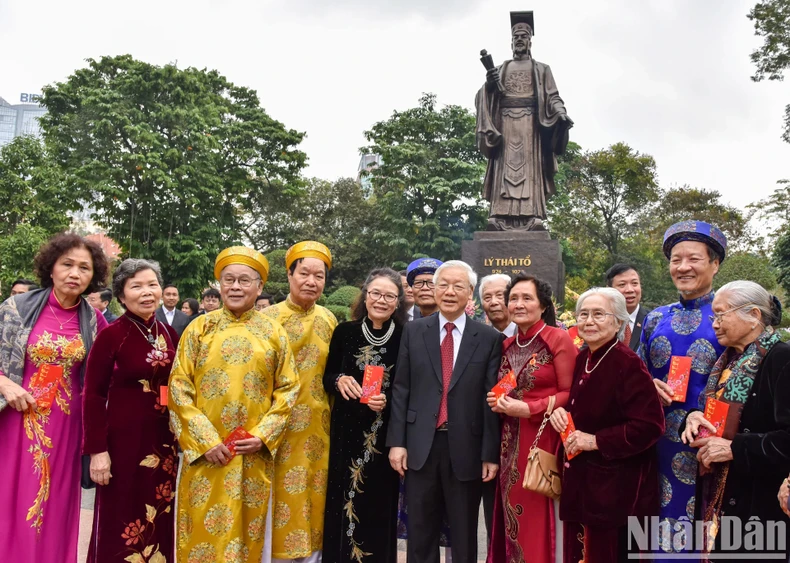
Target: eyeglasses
[[375, 294], [597, 316], [244, 281], [718, 317], [458, 288], [419, 284]]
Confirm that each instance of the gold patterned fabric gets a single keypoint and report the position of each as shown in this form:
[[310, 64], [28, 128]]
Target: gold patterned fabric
[[301, 464], [228, 372]]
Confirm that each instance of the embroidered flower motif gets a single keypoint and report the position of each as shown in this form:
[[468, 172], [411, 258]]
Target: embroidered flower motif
[[165, 491], [133, 531], [169, 465], [158, 358]]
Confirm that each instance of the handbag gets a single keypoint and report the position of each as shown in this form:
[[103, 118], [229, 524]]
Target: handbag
[[541, 474]]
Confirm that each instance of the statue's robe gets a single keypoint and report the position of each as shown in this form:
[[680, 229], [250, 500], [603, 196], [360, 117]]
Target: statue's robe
[[520, 131]]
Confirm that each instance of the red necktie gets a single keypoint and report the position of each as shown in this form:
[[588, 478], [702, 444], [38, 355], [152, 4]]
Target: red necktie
[[627, 336], [447, 372]]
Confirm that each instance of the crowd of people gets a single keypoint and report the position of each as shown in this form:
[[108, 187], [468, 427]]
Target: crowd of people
[[238, 429]]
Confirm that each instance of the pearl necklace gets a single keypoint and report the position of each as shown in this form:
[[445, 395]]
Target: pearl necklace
[[530, 340], [587, 369], [378, 342]]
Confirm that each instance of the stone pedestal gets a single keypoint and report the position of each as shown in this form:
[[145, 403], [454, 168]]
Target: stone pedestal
[[510, 252]]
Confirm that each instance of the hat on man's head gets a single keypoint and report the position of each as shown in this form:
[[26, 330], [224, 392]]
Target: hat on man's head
[[697, 231], [522, 21], [244, 256], [421, 266], [308, 249]]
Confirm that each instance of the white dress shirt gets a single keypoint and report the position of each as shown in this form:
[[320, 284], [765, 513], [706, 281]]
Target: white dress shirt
[[169, 314], [510, 330], [632, 319], [458, 333]]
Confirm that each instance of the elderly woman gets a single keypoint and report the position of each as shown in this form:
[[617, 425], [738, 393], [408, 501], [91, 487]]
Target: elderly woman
[[126, 433], [618, 420], [741, 471], [542, 358], [362, 491], [45, 336]]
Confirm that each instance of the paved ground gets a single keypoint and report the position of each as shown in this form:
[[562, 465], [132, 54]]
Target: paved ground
[[86, 521]]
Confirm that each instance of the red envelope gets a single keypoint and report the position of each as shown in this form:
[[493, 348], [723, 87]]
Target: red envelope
[[505, 385], [678, 377], [715, 413], [44, 384], [163, 395], [570, 429], [371, 382], [238, 434]]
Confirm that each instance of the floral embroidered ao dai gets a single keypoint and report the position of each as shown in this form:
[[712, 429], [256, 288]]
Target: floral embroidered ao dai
[[41, 469], [362, 493], [134, 514], [680, 329], [229, 372], [303, 459], [524, 529]]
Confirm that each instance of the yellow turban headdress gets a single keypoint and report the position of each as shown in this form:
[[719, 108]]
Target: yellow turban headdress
[[245, 256], [308, 249]]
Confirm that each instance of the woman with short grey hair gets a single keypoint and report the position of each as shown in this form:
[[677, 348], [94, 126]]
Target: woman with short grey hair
[[744, 454], [126, 431], [617, 302]]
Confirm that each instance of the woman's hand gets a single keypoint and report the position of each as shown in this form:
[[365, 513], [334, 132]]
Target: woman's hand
[[377, 402], [100, 468], [784, 492], [19, 399], [580, 441], [665, 392], [559, 419], [713, 450], [219, 455], [693, 423], [248, 445], [511, 407], [349, 387]]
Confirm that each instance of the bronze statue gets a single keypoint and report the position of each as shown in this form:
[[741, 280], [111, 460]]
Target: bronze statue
[[521, 126]]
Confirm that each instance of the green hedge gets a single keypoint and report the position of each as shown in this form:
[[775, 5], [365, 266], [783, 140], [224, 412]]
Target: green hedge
[[344, 296], [341, 313]]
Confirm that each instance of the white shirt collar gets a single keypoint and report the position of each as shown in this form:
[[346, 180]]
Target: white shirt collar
[[169, 311], [510, 330], [632, 316], [460, 323]]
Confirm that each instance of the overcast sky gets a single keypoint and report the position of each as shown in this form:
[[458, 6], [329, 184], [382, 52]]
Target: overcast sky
[[668, 77]]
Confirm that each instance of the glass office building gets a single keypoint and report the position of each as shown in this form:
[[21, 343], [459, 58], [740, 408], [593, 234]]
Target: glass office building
[[19, 119]]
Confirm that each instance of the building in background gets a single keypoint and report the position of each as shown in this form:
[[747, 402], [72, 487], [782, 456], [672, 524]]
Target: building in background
[[366, 164], [20, 119]]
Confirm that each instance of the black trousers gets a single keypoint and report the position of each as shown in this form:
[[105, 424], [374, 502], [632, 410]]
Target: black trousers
[[434, 491], [489, 491]]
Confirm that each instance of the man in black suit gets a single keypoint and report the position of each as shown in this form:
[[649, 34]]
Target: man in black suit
[[100, 300], [169, 313], [442, 435], [625, 279]]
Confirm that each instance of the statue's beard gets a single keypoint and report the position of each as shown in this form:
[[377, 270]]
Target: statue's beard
[[520, 51]]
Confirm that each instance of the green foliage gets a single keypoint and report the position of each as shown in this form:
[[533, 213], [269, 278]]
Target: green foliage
[[775, 209], [341, 312], [277, 282], [34, 203], [168, 158], [746, 266], [781, 260], [345, 296], [428, 186]]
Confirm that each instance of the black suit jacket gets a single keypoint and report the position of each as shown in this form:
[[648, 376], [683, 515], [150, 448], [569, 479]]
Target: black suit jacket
[[636, 333], [109, 316], [473, 432], [180, 320]]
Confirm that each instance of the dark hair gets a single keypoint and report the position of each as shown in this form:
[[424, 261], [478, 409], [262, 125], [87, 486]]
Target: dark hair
[[543, 290], [193, 305], [712, 254], [31, 285], [130, 268], [61, 243], [105, 295], [295, 263], [404, 273], [169, 285], [211, 292], [616, 270], [265, 296], [359, 310]]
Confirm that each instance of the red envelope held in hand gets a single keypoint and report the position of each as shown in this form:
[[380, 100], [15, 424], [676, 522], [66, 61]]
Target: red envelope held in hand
[[505, 385], [371, 382], [570, 429], [238, 434], [678, 377], [715, 413]]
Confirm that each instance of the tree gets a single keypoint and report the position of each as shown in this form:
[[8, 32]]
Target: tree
[[167, 158], [781, 260], [772, 22], [34, 205], [746, 266], [428, 187], [775, 209]]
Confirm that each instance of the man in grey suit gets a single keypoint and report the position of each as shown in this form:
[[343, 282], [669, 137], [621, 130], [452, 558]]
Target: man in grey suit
[[625, 279], [169, 312], [442, 435]]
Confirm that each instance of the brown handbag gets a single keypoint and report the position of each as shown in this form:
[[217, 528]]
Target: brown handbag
[[541, 475]]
